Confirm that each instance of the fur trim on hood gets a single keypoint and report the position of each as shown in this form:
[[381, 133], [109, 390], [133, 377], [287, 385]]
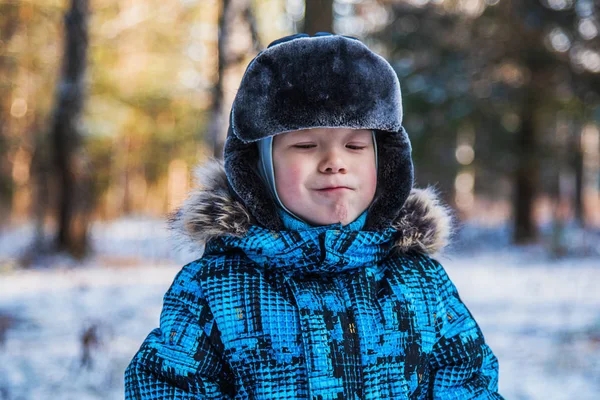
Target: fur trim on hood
[[424, 223]]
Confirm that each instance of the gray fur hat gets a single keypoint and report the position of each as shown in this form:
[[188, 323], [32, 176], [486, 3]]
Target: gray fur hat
[[326, 80]]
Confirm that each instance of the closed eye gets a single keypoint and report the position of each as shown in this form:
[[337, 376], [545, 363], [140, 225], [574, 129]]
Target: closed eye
[[304, 146], [353, 147]]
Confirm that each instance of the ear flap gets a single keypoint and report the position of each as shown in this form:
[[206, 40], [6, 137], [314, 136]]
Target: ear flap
[[395, 178], [246, 183]]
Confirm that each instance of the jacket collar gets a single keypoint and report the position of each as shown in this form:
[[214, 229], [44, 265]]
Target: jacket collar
[[212, 214], [321, 250], [294, 224]]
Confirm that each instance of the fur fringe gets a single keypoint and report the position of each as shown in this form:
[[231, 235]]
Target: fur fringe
[[424, 224]]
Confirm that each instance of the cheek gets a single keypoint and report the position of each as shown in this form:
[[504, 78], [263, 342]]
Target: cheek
[[288, 178]]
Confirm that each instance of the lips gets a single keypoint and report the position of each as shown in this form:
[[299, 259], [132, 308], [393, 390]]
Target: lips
[[333, 188]]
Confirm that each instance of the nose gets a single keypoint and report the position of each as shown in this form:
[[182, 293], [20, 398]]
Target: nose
[[332, 163]]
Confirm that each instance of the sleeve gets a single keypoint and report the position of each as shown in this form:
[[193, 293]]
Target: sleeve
[[183, 358], [463, 366]]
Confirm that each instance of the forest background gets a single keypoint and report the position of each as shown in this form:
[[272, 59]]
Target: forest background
[[106, 107]]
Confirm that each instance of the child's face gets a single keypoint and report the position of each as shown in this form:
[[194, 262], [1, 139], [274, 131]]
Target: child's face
[[325, 175]]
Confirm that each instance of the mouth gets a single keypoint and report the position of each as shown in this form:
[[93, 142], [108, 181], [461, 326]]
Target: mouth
[[333, 189]]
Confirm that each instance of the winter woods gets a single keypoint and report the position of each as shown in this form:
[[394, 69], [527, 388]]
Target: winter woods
[[500, 98], [106, 108]]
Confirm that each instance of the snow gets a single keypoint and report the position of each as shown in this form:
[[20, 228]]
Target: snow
[[41, 356], [540, 316], [542, 320]]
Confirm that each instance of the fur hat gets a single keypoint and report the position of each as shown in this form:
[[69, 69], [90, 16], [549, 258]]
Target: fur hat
[[326, 80]]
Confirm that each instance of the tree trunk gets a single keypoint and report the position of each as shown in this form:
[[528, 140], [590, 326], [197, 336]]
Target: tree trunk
[[318, 16], [215, 134], [252, 26], [527, 173], [230, 9], [70, 163], [577, 161], [41, 176], [9, 23]]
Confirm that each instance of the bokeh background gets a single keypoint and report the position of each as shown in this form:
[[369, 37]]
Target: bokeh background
[[107, 106]]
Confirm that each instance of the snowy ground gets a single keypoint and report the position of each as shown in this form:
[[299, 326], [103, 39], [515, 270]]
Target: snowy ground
[[541, 317]]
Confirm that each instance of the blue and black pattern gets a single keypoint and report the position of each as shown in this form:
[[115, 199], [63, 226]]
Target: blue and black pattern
[[279, 310], [323, 313]]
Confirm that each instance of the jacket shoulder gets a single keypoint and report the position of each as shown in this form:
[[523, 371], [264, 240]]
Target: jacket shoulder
[[416, 265]]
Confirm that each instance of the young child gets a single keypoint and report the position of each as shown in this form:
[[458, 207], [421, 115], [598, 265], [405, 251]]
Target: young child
[[316, 281]]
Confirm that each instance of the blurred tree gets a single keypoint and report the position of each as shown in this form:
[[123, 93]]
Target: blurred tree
[[541, 39], [228, 57], [9, 23], [318, 16], [485, 78], [152, 67], [215, 134], [29, 55], [69, 159], [429, 47]]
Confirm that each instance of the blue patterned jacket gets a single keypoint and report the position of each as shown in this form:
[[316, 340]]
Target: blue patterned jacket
[[317, 313]]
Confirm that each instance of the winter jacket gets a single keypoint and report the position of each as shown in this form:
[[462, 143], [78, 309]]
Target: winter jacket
[[325, 313]]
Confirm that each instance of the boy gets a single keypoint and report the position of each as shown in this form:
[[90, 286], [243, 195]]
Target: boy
[[316, 281]]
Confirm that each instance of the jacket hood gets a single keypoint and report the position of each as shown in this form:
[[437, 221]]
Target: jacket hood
[[213, 212]]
